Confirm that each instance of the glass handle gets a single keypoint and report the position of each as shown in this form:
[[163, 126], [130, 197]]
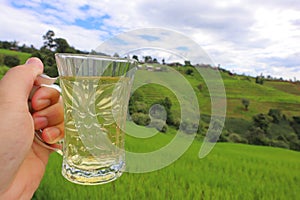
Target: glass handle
[[45, 81]]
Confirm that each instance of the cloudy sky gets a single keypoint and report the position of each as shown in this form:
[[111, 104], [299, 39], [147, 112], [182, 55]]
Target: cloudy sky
[[244, 36]]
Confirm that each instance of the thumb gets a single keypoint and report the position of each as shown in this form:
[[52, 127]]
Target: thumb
[[18, 81]]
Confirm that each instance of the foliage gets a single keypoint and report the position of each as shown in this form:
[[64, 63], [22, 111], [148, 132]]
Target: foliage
[[1, 59], [159, 125], [148, 59], [236, 138], [141, 119], [135, 57], [187, 63], [246, 103], [295, 123], [259, 80], [49, 41], [262, 121], [189, 71], [276, 115], [62, 46], [11, 61], [3, 70], [256, 135]]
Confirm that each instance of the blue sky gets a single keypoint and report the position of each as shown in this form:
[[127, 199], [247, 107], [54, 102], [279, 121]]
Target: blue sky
[[244, 36]]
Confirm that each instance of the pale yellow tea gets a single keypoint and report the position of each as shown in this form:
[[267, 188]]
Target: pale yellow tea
[[95, 113]]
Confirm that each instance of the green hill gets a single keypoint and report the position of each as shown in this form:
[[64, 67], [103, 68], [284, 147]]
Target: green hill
[[230, 171], [159, 84], [21, 55], [272, 94], [4, 52], [281, 96]]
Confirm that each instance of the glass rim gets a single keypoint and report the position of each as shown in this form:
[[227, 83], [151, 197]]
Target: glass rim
[[94, 56]]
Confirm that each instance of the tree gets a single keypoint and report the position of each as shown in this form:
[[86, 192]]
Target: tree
[[259, 80], [62, 46], [187, 63], [262, 121], [246, 103], [189, 71], [148, 59], [135, 57], [276, 115], [255, 135], [49, 42], [116, 55]]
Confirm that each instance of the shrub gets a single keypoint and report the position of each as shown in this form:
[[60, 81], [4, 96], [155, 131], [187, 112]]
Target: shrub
[[189, 127], [200, 87], [245, 103], [236, 138], [279, 143], [11, 61], [157, 123], [3, 70], [189, 71], [140, 119], [1, 59], [139, 107], [276, 115]]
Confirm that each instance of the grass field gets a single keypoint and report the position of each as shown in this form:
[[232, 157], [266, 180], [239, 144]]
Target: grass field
[[22, 56], [230, 171]]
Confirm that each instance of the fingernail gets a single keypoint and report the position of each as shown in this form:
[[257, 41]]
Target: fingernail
[[42, 103], [40, 122], [36, 61], [51, 135]]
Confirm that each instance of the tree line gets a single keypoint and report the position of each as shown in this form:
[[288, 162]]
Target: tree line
[[46, 52]]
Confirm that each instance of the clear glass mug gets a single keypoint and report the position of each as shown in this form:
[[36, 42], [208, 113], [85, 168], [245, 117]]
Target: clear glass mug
[[95, 91]]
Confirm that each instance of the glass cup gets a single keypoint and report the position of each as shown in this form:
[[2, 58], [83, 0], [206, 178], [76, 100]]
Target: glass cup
[[95, 91]]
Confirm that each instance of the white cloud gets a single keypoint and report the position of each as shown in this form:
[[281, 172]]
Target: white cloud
[[246, 34]]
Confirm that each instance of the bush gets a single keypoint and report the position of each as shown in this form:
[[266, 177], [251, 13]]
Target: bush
[[276, 115], [138, 107], [200, 87], [189, 71], [160, 125], [279, 143], [51, 71], [1, 59], [189, 127], [174, 122], [3, 70], [140, 119], [236, 138], [11, 61]]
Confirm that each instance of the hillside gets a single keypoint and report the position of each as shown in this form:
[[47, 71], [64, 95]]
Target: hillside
[[21, 55], [277, 96], [280, 96], [4, 52]]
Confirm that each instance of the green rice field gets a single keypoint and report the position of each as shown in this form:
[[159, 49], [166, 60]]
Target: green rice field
[[230, 171]]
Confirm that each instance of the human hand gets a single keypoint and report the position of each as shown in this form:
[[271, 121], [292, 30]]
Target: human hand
[[23, 161]]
